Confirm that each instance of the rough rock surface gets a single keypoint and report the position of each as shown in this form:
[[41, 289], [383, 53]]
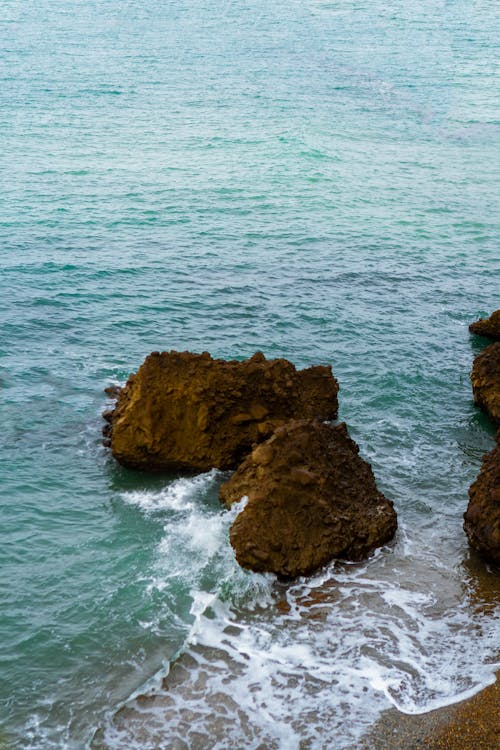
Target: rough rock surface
[[485, 377], [311, 498], [489, 327], [482, 517], [189, 411]]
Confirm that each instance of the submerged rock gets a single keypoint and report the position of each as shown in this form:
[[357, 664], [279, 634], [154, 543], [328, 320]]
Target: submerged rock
[[311, 498], [189, 411], [482, 517], [485, 377], [489, 327]]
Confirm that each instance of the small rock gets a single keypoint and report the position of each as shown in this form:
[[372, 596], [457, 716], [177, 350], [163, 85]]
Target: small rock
[[113, 391], [489, 327]]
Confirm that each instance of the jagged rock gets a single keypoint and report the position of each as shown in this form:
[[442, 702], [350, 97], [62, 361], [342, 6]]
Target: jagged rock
[[485, 377], [311, 498], [189, 411], [482, 517], [489, 327]]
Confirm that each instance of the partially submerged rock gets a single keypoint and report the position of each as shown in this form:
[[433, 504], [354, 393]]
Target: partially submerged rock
[[189, 411], [485, 377], [113, 391], [311, 498], [482, 517], [489, 327]]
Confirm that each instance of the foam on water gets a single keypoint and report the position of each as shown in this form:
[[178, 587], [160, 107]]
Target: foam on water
[[313, 180], [304, 664], [179, 496]]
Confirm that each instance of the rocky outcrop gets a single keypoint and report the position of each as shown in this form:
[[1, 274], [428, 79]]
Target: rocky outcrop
[[489, 327], [482, 518], [485, 377], [311, 498], [189, 411]]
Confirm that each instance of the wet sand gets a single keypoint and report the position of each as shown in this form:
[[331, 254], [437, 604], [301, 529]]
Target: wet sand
[[473, 724], [188, 711]]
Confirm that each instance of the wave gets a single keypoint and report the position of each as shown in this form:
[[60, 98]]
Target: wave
[[306, 664]]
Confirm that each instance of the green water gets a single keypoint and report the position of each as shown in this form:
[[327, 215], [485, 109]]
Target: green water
[[315, 180]]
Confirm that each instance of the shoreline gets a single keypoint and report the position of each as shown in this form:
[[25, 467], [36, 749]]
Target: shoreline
[[471, 724]]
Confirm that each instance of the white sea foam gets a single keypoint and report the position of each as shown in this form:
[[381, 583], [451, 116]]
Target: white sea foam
[[177, 496], [307, 664]]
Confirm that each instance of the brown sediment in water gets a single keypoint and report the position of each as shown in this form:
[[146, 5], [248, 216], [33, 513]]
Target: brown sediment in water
[[472, 724]]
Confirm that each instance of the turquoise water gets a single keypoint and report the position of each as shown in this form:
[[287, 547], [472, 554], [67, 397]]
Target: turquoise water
[[317, 180]]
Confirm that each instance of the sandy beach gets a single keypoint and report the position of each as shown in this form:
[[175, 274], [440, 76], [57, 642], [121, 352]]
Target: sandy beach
[[473, 724]]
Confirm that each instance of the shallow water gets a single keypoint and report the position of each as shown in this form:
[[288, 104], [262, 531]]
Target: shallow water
[[311, 179]]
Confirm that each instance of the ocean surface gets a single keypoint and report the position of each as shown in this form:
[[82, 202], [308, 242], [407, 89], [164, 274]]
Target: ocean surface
[[314, 179]]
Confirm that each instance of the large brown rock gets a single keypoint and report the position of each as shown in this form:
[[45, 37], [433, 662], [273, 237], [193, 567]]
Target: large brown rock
[[485, 377], [311, 498], [189, 411], [482, 517], [489, 327]]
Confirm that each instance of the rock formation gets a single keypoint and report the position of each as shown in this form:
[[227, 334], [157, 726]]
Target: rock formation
[[189, 411], [489, 327], [482, 518], [485, 377], [311, 498]]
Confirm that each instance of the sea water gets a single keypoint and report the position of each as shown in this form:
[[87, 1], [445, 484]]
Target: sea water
[[313, 179]]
